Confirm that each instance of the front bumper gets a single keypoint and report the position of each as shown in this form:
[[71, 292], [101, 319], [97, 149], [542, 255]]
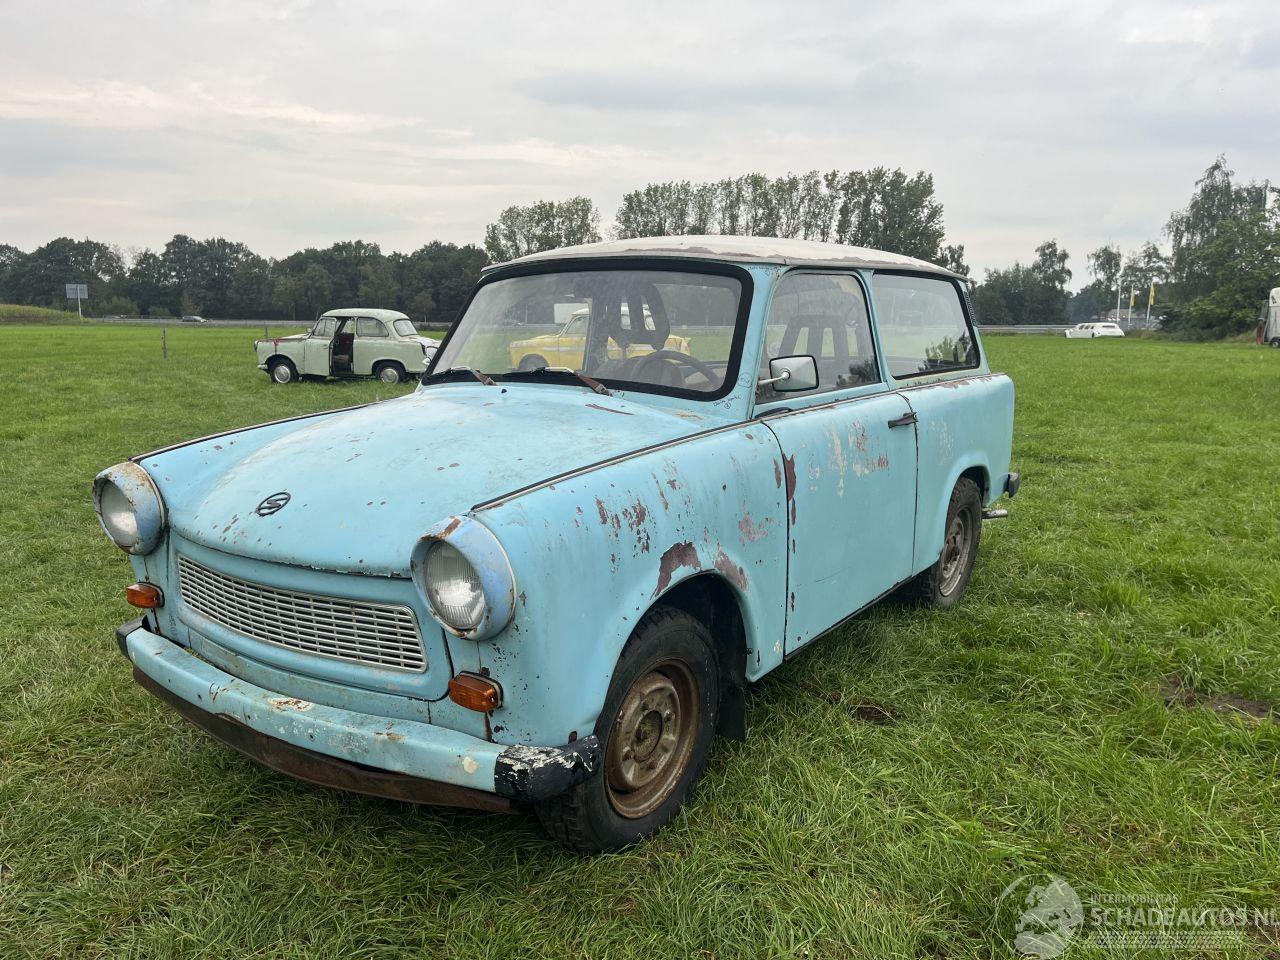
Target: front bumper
[[400, 759]]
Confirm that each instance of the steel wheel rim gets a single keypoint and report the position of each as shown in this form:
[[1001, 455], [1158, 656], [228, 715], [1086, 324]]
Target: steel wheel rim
[[955, 551], [652, 739], [281, 374], [388, 375]]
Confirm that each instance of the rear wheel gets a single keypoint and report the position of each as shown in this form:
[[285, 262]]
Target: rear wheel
[[390, 372], [283, 371], [656, 729], [1275, 342], [944, 583], [531, 361]]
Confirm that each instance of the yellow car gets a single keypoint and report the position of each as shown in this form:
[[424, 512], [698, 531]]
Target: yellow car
[[565, 348]]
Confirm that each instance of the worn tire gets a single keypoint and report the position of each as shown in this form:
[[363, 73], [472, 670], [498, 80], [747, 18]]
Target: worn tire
[[389, 372], [585, 819], [282, 372], [532, 361], [932, 587]]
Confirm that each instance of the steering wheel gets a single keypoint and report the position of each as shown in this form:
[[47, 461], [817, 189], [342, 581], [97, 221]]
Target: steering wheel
[[675, 356]]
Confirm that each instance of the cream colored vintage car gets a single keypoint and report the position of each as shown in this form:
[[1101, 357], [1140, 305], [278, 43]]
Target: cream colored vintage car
[[566, 347], [351, 342]]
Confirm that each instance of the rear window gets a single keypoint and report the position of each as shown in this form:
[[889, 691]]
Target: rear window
[[922, 325], [404, 328]]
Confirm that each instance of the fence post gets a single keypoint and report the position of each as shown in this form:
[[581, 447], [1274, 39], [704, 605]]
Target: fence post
[[164, 343]]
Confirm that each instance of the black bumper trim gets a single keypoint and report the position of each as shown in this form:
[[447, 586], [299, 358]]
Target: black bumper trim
[[528, 774], [123, 631], [1012, 483]]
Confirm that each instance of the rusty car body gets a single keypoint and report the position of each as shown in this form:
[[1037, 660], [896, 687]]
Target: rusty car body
[[558, 585], [351, 342]]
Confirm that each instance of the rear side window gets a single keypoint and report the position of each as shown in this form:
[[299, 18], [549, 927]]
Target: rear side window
[[405, 328], [822, 315], [922, 325], [369, 327]]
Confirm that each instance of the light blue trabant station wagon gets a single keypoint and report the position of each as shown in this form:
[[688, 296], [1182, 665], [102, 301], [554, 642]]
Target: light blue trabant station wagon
[[548, 587]]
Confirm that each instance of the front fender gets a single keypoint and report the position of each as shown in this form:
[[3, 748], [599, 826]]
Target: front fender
[[591, 555]]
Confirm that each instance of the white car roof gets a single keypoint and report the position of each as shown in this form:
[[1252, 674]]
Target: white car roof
[[755, 249], [365, 312]]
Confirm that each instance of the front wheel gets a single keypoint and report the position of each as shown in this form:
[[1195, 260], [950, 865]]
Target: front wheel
[[282, 371], [656, 728], [1275, 342], [389, 373], [531, 361], [944, 583]]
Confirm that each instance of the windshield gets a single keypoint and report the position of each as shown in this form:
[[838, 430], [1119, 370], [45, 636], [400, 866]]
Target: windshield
[[404, 328], [657, 330]]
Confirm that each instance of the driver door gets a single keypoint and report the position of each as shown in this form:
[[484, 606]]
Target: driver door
[[318, 347], [848, 456]]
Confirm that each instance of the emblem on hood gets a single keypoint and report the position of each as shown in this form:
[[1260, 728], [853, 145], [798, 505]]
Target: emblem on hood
[[272, 504]]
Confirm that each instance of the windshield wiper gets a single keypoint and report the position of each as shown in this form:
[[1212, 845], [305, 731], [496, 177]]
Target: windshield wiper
[[594, 384], [484, 378]]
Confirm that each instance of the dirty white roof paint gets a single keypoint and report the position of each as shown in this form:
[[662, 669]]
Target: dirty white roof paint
[[374, 312], [746, 249]]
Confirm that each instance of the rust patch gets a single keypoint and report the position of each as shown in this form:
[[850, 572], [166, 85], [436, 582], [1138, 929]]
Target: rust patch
[[678, 555], [604, 512], [751, 531], [290, 703], [777, 474], [793, 600], [789, 466], [734, 573], [662, 496], [621, 413], [450, 527], [391, 735]]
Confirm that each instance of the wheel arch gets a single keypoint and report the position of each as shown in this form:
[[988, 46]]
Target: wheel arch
[[713, 601]]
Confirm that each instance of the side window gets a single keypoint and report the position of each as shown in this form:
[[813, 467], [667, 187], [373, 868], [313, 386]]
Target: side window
[[823, 315], [922, 325], [369, 327], [324, 327]]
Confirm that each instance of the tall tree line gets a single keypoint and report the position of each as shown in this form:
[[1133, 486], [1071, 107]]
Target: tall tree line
[[223, 278], [881, 208]]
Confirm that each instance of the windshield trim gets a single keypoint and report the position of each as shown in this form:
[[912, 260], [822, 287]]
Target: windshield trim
[[663, 264]]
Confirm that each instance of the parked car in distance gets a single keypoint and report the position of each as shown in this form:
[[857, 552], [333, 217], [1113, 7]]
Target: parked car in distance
[[1083, 331], [353, 342], [566, 347], [192, 318], [549, 588]]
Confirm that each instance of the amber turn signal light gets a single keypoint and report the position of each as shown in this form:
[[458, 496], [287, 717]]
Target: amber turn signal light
[[475, 692], [144, 595]]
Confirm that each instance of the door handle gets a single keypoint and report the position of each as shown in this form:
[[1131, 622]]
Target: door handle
[[905, 420]]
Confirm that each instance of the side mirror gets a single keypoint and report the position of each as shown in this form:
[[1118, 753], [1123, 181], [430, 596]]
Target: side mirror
[[792, 374]]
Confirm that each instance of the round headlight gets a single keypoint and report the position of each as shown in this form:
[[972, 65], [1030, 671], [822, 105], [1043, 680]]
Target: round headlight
[[129, 508], [453, 587]]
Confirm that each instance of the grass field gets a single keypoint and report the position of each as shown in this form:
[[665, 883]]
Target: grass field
[[21, 313], [1086, 711]]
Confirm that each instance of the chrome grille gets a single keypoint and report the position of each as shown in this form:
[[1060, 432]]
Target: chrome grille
[[383, 634]]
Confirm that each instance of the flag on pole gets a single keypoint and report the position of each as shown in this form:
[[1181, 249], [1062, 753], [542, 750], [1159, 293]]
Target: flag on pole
[[1151, 299]]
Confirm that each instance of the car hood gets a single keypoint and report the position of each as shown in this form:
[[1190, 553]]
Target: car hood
[[364, 484]]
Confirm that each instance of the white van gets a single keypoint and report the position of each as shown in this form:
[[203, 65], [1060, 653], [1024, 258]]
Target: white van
[[1083, 331]]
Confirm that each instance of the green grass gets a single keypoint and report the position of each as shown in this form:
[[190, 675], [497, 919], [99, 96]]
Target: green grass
[[1029, 727], [22, 313]]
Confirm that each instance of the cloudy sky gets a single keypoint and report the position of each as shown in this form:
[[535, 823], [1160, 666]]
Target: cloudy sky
[[297, 123]]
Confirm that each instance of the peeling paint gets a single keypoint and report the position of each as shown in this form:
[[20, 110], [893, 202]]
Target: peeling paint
[[677, 555], [732, 571]]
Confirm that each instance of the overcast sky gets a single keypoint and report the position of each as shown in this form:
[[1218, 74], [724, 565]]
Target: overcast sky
[[294, 123]]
